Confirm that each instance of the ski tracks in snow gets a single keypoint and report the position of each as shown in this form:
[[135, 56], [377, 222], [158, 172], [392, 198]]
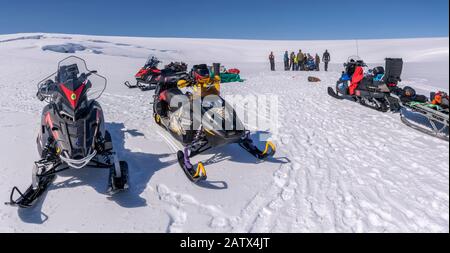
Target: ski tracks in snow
[[346, 175]]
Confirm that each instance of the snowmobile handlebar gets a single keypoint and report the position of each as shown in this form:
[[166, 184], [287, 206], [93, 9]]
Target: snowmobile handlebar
[[91, 72], [85, 76], [358, 63], [46, 90]]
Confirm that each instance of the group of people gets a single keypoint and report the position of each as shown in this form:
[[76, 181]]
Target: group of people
[[301, 61]]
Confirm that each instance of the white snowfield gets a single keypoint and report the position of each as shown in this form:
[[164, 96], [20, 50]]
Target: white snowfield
[[339, 167]]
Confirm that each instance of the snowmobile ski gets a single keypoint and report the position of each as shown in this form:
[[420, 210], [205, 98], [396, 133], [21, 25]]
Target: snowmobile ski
[[332, 93], [118, 177], [142, 87], [129, 85], [31, 195], [195, 175], [35, 190], [268, 151]]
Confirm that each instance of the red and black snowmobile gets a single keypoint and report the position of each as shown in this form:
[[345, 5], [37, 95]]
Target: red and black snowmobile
[[372, 89], [72, 133], [148, 76]]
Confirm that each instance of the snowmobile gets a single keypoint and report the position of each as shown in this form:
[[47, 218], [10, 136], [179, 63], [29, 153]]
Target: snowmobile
[[149, 75], [214, 124], [72, 133], [310, 65], [372, 89], [427, 117]]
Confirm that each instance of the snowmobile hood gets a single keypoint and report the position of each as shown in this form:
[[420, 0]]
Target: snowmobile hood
[[73, 91], [75, 140]]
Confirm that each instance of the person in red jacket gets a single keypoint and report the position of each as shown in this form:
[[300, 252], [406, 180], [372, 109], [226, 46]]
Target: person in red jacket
[[441, 99], [358, 75]]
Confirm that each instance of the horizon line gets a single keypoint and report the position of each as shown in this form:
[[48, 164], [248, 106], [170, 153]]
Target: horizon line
[[210, 38]]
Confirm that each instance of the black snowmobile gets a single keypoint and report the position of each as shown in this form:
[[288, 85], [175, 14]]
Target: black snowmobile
[[72, 132], [374, 88], [213, 124], [427, 117], [149, 75]]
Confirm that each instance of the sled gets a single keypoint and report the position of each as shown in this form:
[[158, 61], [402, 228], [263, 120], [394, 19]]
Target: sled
[[428, 120]]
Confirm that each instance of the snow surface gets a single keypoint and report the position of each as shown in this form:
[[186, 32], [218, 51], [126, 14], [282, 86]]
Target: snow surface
[[340, 167]]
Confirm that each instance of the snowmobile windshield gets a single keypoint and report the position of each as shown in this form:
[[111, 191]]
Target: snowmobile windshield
[[74, 69], [74, 79], [152, 62]]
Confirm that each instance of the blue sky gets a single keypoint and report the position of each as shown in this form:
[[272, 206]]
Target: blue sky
[[258, 19]]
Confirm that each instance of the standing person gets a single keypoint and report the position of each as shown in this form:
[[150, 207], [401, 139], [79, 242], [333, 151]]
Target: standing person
[[300, 60], [308, 62], [272, 61], [326, 58], [295, 63], [317, 62], [286, 61], [305, 59], [292, 60]]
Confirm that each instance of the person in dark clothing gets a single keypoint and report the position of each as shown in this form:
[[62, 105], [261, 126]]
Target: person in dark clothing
[[300, 60], [326, 58], [305, 59], [317, 62], [408, 95], [286, 60], [272, 61]]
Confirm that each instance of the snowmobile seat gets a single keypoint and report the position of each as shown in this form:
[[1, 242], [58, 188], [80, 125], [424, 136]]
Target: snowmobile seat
[[393, 70], [168, 95], [368, 83], [167, 72], [176, 67]]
